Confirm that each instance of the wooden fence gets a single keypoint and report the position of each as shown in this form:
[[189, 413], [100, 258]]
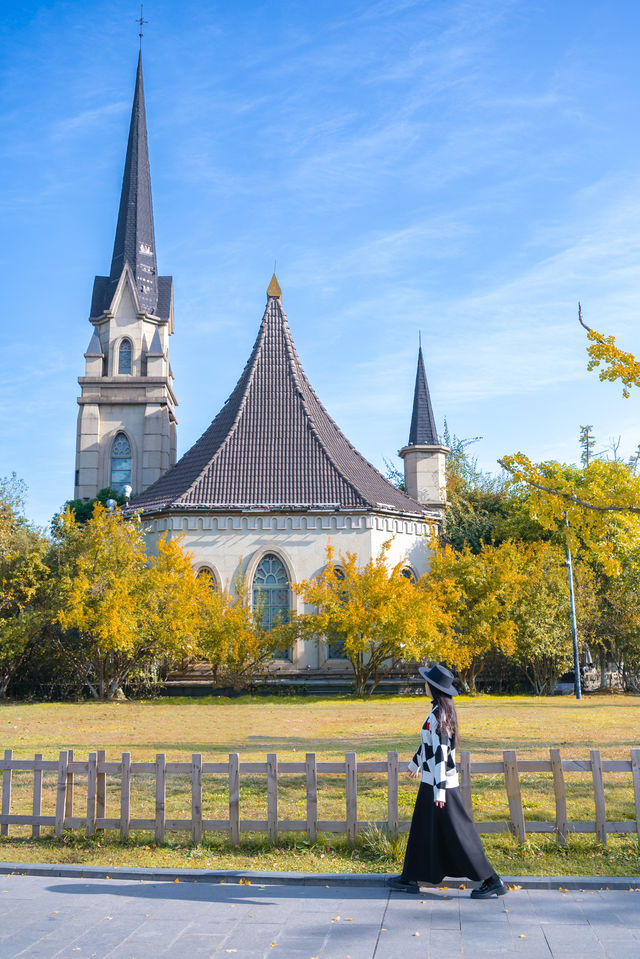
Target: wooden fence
[[96, 769]]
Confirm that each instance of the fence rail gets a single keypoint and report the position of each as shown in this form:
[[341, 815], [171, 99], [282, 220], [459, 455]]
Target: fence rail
[[96, 768]]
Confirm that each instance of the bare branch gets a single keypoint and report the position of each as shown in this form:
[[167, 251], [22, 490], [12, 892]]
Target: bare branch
[[581, 321]]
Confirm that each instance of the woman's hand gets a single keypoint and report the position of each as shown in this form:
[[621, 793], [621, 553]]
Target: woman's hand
[[439, 803], [412, 775]]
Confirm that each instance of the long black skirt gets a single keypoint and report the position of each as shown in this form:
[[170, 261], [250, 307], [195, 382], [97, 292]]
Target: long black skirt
[[443, 841]]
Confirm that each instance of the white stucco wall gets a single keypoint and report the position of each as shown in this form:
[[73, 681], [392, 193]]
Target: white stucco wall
[[235, 544]]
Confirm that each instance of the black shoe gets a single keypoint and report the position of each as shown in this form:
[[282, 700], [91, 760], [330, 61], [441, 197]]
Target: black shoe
[[403, 885], [493, 886]]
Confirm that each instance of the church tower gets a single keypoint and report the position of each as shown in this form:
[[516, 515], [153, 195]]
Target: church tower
[[126, 432], [424, 456]]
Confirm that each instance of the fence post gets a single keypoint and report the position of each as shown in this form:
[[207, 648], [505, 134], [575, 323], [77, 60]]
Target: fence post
[[125, 795], [68, 806], [161, 792], [351, 789], [196, 798], [560, 792], [312, 797], [392, 794], [234, 798], [598, 790], [92, 780], [101, 787], [635, 769], [6, 792], [37, 796], [512, 785], [465, 781], [61, 794], [272, 797]]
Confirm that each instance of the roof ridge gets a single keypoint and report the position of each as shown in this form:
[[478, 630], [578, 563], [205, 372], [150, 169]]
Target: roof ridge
[[339, 432], [251, 362], [301, 378]]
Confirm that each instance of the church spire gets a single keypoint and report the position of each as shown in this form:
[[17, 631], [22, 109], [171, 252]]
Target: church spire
[[135, 243], [423, 430]]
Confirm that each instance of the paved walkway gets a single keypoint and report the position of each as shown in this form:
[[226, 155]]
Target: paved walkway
[[49, 917]]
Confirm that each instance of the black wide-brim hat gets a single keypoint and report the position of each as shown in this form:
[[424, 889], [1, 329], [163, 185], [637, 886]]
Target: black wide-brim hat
[[440, 678]]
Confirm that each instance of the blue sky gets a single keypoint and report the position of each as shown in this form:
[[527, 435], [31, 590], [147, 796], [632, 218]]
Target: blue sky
[[467, 169]]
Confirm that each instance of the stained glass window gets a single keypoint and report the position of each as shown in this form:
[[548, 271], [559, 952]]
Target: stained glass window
[[409, 574], [207, 574], [124, 357], [335, 645], [272, 594], [120, 463]]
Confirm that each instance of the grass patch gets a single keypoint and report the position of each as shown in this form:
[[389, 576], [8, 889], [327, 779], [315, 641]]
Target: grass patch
[[293, 726]]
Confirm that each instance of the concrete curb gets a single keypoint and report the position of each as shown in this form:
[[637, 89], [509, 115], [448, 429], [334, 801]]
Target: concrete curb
[[235, 876]]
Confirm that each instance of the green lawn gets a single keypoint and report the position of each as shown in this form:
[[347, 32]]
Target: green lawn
[[293, 726]]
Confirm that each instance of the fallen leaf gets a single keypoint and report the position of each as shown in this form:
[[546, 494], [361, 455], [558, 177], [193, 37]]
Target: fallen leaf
[[231, 950], [336, 919], [462, 886], [522, 935], [272, 945], [562, 889], [108, 917], [416, 933], [349, 919], [252, 915]]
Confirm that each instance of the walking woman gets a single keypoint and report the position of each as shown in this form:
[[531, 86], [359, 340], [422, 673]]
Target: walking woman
[[442, 840]]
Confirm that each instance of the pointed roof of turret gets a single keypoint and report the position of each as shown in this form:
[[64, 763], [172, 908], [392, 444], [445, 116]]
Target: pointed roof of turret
[[273, 445], [423, 430], [135, 240], [274, 288]]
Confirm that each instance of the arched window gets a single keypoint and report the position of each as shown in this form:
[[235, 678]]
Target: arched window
[[120, 463], [272, 594], [335, 645], [207, 574], [409, 574], [124, 357]]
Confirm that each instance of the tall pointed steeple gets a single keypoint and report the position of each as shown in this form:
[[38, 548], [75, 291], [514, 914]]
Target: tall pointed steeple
[[135, 241], [127, 399], [423, 425]]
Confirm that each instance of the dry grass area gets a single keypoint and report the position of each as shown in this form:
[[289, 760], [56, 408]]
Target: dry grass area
[[294, 726]]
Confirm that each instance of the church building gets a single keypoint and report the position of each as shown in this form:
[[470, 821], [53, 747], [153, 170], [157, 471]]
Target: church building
[[272, 482]]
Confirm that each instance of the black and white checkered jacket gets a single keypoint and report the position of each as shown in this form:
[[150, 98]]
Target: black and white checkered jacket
[[435, 758]]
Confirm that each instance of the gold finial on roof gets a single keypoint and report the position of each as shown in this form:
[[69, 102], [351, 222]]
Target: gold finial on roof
[[274, 288]]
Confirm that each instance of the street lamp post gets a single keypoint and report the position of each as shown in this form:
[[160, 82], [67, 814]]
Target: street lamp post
[[577, 685]]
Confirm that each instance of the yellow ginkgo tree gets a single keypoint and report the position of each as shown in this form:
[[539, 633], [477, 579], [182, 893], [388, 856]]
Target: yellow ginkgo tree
[[127, 610], [377, 613]]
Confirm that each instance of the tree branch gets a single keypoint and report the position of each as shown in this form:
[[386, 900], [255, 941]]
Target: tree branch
[[581, 321], [573, 499]]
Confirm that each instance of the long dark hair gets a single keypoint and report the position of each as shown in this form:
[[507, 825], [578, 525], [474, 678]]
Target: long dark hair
[[447, 715]]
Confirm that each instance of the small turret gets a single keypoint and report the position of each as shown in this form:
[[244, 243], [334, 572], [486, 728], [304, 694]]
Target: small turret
[[424, 456]]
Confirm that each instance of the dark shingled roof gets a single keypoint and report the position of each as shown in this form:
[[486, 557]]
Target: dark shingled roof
[[135, 241], [274, 446], [423, 430]]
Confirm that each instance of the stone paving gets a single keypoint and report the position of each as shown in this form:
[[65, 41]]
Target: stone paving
[[60, 918]]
